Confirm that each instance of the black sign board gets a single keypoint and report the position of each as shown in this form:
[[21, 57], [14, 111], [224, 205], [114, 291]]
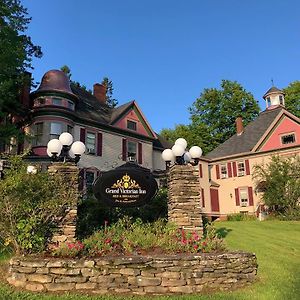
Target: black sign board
[[127, 186]]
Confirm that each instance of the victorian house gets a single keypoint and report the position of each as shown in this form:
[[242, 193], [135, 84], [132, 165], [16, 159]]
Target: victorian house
[[226, 181], [111, 135]]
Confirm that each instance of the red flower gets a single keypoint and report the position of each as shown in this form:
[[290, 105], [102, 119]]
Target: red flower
[[107, 241]]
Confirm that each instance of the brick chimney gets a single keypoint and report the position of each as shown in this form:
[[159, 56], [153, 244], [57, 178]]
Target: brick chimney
[[100, 92], [239, 125]]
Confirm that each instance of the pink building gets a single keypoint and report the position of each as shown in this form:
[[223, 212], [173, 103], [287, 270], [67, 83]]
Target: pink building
[[226, 172]]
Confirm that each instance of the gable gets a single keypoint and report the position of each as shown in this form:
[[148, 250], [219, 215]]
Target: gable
[[281, 135], [133, 115]]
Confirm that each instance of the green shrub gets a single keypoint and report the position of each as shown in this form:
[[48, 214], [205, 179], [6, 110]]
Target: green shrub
[[241, 217], [135, 237], [29, 204]]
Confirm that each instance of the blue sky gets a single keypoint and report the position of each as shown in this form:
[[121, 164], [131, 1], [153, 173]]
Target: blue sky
[[163, 53]]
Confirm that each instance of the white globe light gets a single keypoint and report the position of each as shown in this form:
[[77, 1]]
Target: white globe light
[[167, 155], [178, 150], [195, 152], [182, 142], [66, 138], [54, 146], [78, 148], [187, 157], [71, 153], [31, 170]]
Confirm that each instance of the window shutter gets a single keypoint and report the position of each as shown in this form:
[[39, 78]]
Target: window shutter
[[82, 135], [81, 180], [99, 144], [237, 197], [247, 167], [140, 153], [250, 195], [229, 169], [218, 171], [124, 149], [202, 196], [234, 169], [200, 171]]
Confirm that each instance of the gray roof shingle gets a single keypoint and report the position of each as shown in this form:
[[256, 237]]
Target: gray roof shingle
[[245, 142]]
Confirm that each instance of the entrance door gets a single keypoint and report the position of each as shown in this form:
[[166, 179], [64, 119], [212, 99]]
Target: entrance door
[[214, 200]]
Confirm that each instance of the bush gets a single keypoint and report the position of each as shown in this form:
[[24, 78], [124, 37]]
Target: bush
[[241, 217], [29, 204], [92, 213], [135, 237]]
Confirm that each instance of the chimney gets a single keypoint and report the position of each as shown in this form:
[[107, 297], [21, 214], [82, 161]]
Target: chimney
[[100, 92], [239, 125], [25, 91]]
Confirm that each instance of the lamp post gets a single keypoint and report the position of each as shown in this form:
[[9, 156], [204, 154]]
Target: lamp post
[[180, 156], [63, 148]]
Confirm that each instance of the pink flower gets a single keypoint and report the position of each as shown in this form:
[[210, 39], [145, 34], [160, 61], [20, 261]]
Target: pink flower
[[107, 241]]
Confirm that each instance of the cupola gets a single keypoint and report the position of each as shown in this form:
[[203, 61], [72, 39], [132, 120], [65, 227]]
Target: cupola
[[274, 97]]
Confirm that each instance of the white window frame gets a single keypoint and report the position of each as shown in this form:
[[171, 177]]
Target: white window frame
[[240, 171], [90, 150], [244, 197], [223, 171]]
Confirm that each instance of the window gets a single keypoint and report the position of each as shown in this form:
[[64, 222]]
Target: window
[[288, 139], [131, 149], [91, 142], [71, 105], [38, 133], [55, 130], [89, 179], [244, 196], [268, 101], [57, 102], [70, 129], [241, 168], [281, 100], [131, 125], [223, 171]]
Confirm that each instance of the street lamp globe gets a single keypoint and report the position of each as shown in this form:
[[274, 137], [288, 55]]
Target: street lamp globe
[[78, 148], [178, 150], [167, 155], [187, 157], [66, 138], [182, 142], [54, 147], [195, 152]]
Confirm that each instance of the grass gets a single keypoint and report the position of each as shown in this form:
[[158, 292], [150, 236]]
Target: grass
[[276, 244]]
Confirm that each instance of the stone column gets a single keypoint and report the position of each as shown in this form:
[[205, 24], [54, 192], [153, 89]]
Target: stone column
[[66, 222], [184, 197]]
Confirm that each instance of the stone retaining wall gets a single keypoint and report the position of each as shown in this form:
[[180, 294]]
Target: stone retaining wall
[[141, 275]]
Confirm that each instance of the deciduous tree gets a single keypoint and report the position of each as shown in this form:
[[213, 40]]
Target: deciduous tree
[[292, 98]]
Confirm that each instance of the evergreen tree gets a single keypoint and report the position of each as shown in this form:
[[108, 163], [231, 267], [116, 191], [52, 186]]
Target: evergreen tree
[[110, 101]]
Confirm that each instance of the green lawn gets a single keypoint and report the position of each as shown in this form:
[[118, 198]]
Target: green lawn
[[276, 244]]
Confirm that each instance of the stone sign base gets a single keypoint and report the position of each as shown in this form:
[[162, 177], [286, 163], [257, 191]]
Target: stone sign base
[[169, 274]]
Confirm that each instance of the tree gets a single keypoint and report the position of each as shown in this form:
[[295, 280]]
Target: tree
[[66, 70], [110, 101], [16, 52], [292, 98], [281, 180], [215, 111]]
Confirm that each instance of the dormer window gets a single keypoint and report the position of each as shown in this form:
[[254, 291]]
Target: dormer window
[[288, 139], [131, 125]]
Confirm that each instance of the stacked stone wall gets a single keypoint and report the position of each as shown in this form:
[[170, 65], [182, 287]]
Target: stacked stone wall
[[171, 274], [184, 198]]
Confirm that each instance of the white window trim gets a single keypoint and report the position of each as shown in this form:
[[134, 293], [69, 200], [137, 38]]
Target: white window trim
[[241, 173], [244, 203], [223, 175], [89, 150]]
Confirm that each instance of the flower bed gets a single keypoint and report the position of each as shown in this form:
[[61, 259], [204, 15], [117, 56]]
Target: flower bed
[[164, 274]]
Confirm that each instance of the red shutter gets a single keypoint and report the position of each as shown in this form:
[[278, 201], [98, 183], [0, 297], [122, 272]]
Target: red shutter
[[202, 196], [250, 195], [237, 197], [234, 169], [214, 198], [218, 171], [99, 144], [247, 167], [82, 135], [200, 171], [124, 149], [229, 169], [140, 153]]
